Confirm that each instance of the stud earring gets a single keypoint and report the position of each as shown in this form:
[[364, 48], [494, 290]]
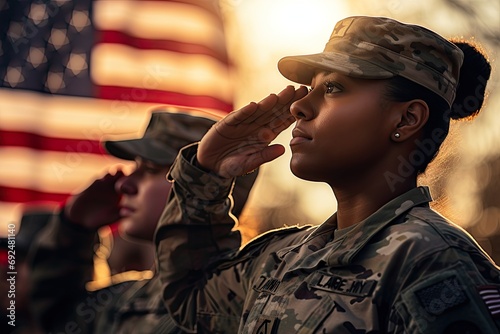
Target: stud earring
[[397, 135]]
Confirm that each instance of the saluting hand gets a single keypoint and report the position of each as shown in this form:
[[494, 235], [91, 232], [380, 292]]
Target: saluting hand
[[97, 205], [240, 142]]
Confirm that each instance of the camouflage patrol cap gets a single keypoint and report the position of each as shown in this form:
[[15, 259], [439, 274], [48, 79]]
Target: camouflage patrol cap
[[165, 135], [379, 48]]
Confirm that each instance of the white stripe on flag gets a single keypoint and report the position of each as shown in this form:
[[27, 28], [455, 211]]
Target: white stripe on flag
[[160, 20], [190, 74]]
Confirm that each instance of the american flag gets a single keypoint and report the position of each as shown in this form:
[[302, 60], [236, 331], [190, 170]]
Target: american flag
[[74, 71]]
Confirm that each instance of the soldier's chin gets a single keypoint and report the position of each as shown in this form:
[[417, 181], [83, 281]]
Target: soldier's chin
[[136, 233], [129, 230], [301, 169]]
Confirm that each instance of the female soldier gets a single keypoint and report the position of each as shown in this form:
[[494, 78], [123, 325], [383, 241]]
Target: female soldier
[[379, 106]]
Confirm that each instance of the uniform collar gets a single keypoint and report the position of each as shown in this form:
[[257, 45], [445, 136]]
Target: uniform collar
[[353, 241], [341, 251]]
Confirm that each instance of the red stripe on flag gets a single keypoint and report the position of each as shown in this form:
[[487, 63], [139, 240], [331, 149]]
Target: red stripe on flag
[[23, 195], [161, 96], [118, 37], [4, 256], [44, 143]]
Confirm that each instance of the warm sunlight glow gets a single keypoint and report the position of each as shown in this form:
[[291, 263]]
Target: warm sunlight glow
[[289, 26], [265, 32]]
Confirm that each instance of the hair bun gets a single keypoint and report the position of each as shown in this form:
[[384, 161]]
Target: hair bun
[[474, 75]]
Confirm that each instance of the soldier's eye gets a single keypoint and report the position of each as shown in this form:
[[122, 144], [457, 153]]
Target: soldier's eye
[[332, 87]]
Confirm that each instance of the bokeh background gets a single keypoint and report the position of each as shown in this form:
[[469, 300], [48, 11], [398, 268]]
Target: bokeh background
[[214, 56], [464, 180]]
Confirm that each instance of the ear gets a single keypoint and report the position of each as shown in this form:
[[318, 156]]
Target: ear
[[412, 118]]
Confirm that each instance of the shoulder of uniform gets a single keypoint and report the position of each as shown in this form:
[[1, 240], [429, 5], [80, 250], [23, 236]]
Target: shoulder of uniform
[[424, 224], [278, 233], [431, 221], [278, 238]]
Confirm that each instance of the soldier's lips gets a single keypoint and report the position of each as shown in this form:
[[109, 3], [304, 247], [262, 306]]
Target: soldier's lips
[[298, 140], [126, 211], [299, 137]]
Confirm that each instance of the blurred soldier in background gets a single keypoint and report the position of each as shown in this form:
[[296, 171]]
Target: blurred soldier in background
[[62, 256], [13, 259]]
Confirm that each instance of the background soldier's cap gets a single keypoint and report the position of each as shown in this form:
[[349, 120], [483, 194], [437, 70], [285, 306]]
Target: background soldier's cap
[[165, 135], [379, 48]]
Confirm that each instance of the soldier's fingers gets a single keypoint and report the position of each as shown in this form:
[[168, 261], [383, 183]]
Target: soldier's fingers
[[286, 95], [241, 115]]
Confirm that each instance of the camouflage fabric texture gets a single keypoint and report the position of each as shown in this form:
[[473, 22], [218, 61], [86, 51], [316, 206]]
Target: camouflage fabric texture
[[404, 269], [61, 264], [380, 48]]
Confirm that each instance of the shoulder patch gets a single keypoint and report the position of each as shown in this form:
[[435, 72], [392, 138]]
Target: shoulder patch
[[442, 296]]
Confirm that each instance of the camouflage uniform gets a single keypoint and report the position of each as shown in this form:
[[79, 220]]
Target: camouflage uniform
[[403, 269], [62, 260]]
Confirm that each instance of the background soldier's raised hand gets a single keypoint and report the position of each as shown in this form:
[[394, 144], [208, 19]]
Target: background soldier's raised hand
[[96, 206]]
